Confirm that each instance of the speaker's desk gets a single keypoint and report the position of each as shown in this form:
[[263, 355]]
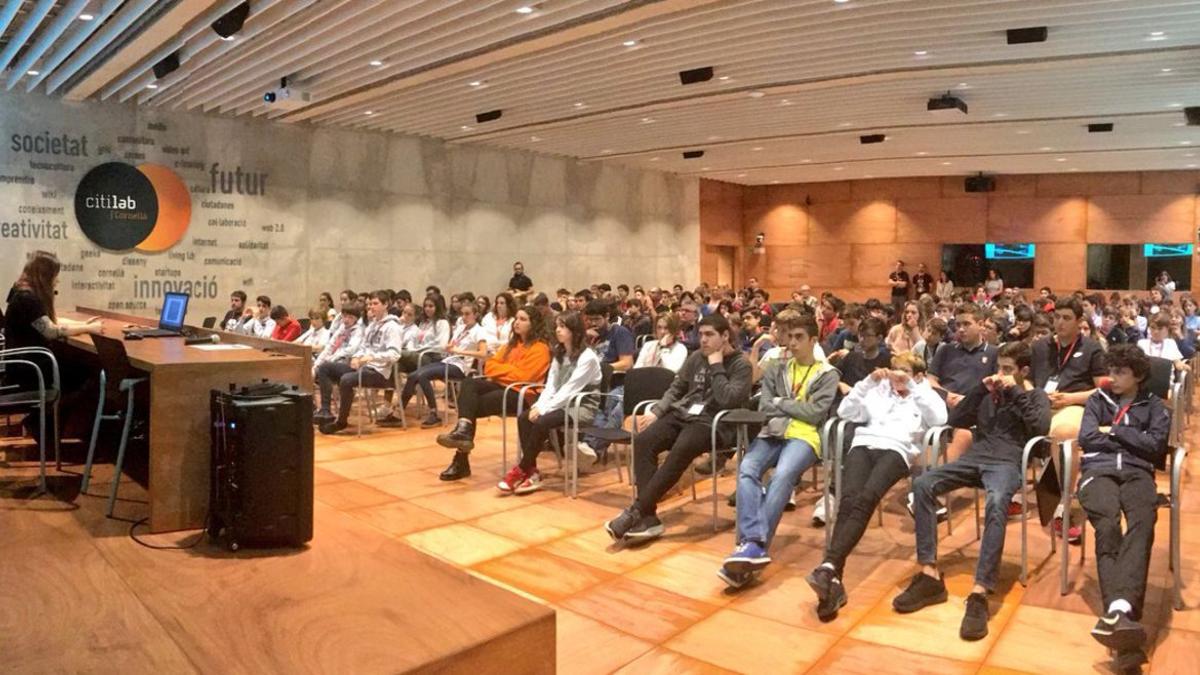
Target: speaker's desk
[[180, 380]]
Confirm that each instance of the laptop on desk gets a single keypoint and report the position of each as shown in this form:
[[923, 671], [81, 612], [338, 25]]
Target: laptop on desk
[[170, 321]]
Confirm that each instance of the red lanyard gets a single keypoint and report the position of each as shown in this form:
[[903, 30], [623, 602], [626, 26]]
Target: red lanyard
[[1067, 357], [1121, 414]]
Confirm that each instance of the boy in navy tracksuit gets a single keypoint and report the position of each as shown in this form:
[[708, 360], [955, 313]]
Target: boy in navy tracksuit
[[1123, 437]]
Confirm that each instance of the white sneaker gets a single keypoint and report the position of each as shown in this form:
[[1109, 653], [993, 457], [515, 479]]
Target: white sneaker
[[819, 516], [586, 450]]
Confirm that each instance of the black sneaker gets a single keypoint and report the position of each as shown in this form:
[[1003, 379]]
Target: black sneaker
[[1116, 630], [623, 523], [922, 591], [432, 421], [391, 421], [647, 529], [975, 619], [819, 580], [322, 417], [831, 595], [1130, 661], [333, 427], [735, 580]]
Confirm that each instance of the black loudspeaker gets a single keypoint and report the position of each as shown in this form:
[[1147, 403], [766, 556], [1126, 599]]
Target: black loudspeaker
[[488, 116], [231, 22], [980, 184], [168, 65], [696, 75], [868, 139], [1192, 115], [261, 479], [693, 154], [1022, 36]]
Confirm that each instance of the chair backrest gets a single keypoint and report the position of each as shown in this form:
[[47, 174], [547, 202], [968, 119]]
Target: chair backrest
[[1159, 381], [305, 323], [113, 360], [209, 321], [645, 384]]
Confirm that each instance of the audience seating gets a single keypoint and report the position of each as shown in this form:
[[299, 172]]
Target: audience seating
[[642, 385], [209, 322], [116, 383], [42, 401]]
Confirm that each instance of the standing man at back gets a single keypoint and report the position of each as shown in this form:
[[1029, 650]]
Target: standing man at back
[[519, 282], [898, 280]]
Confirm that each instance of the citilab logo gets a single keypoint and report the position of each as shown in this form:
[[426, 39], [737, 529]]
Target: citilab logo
[[121, 207]]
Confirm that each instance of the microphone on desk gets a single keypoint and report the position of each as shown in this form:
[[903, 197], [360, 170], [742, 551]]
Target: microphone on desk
[[203, 339]]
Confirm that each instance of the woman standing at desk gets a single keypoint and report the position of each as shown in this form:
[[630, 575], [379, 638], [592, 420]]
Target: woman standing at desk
[[30, 321]]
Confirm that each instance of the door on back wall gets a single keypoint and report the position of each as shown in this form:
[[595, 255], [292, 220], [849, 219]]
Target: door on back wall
[[725, 257]]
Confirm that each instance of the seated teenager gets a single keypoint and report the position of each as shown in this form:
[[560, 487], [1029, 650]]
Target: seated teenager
[[525, 358], [257, 321], [893, 409], [1160, 344], [1006, 410], [666, 351], [237, 309], [616, 346], [1123, 437], [372, 364], [342, 346], [466, 345], [317, 335], [497, 324], [906, 335], [575, 368], [431, 333], [845, 337], [715, 377], [756, 334], [797, 395], [286, 328], [1184, 339], [867, 356], [830, 321]]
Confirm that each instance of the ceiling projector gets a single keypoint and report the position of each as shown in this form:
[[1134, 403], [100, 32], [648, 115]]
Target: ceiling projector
[[288, 96], [947, 106]]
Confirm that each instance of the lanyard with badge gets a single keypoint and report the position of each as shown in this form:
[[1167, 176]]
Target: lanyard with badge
[[1052, 383], [698, 408], [798, 387], [1121, 413]]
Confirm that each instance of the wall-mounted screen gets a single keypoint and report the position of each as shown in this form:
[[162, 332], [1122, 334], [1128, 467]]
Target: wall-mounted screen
[[968, 264], [1138, 266]]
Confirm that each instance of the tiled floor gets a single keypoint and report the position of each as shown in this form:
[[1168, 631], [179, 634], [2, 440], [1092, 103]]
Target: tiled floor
[[661, 607]]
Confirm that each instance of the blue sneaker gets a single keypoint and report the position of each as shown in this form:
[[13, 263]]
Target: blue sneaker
[[749, 556]]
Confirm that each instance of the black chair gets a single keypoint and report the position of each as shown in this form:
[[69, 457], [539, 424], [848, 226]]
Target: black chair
[[1161, 372], [118, 382], [42, 401], [209, 321], [305, 323]]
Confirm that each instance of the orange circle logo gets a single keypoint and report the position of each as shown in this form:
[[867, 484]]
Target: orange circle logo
[[174, 209], [119, 207]]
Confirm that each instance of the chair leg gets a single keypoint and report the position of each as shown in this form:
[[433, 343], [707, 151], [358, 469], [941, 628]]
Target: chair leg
[[57, 444], [87, 465], [116, 481], [42, 448]]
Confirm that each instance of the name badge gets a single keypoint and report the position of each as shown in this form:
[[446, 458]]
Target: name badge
[[696, 409], [1051, 385]]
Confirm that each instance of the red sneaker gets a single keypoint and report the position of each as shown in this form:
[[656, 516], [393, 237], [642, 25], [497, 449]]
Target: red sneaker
[[532, 483], [1014, 509], [1074, 533], [512, 479]]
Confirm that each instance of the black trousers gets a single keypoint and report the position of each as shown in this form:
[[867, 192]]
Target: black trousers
[[481, 397], [867, 475], [1121, 559], [346, 379], [535, 434], [683, 439]]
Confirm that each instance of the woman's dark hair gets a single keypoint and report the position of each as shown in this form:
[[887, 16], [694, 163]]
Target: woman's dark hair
[[1128, 356], [404, 295], [486, 302], [510, 305], [439, 311], [1023, 313], [572, 322], [324, 297], [537, 327], [38, 278], [349, 293]]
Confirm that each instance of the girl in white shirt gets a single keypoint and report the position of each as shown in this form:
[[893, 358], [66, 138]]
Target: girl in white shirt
[[497, 324], [575, 368], [1159, 344], [466, 345], [905, 336], [666, 351], [317, 335]]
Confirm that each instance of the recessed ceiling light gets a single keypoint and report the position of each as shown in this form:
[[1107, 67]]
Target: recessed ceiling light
[[465, 127], [1000, 114], [774, 182], [838, 168], [1074, 168], [152, 86], [1165, 70], [1023, 132], [369, 112], [1189, 154], [922, 153], [1185, 142], [714, 138], [1179, 124], [741, 175], [841, 2], [476, 83], [963, 85], [845, 124], [580, 104], [947, 163], [655, 159], [756, 148], [1045, 148], [785, 102], [377, 63], [535, 139], [806, 161], [1157, 35], [1174, 105], [524, 10], [867, 175], [86, 17], [606, 151], [647, 120], [32, 73], [706, 168], [921, 53], [756, 94], [723, 78], [1060, 159], [1191, 166], [630, 43]]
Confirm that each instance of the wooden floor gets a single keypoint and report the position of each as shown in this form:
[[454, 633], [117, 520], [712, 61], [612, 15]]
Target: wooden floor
[[79, 595]]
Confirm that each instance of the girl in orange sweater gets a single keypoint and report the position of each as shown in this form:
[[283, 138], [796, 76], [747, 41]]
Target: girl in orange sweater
[[525, 358]]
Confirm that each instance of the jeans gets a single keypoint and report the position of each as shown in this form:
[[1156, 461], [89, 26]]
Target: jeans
[[424, 378], [1000, 480], [610, 416], [867, 475], [347, 379], [1122, 560], [535, 434], [683, 438], [758, 514]]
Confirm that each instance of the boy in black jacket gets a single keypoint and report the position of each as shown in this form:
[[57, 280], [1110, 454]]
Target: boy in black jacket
[[1124, 437], [1006, 411]]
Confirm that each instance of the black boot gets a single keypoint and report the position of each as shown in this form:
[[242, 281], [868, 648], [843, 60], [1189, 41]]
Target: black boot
[[461, 438], [460, 467]]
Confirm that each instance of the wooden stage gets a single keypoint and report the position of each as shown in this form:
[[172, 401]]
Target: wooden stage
[[80, 596]]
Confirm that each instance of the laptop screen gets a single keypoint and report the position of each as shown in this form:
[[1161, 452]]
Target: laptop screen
[[173, 310]]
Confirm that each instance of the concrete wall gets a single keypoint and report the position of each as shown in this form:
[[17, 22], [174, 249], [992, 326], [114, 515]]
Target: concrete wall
[[844, 236], [341, 209]]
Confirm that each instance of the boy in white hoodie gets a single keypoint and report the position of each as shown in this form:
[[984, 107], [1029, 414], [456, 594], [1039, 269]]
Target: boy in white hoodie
[[893, 409], [371, 365]]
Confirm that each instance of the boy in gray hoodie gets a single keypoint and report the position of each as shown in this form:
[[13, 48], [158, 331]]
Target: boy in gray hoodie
[[378, 352]]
